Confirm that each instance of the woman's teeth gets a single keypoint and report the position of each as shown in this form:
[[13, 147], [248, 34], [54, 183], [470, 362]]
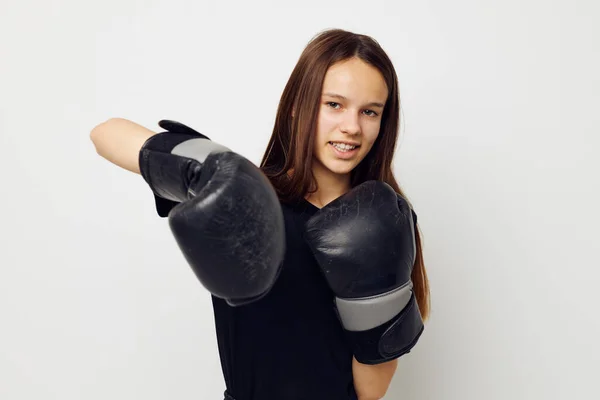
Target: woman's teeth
[[342, 146]]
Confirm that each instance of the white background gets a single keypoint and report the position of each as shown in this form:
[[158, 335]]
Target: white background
[[499, 155]]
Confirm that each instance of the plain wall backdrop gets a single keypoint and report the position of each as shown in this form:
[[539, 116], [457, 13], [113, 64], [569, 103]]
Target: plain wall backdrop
[[498, 153]]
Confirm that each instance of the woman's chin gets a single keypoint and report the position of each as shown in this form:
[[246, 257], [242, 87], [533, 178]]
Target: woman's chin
[[340, 169]]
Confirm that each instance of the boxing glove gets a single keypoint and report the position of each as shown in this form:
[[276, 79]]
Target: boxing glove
[[364, 243], [225, 215]]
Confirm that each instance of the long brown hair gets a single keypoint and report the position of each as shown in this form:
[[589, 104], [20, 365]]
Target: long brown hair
[[290, 147]]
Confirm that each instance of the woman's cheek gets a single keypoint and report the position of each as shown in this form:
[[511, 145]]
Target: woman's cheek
[[328, 118]]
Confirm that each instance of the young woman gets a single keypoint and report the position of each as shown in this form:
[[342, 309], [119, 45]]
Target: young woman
[[336, 129]]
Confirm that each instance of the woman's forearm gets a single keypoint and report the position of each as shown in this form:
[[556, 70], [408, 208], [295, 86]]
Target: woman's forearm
[[119, 141], [371, 382]]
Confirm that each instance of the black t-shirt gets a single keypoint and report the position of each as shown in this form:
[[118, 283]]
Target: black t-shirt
[[289, 344]]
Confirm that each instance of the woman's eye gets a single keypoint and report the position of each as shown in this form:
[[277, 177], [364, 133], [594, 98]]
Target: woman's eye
[[373, 113], [332, 104]]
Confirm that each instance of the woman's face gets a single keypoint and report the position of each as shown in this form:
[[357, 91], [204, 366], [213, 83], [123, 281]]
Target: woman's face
[[352, 101]]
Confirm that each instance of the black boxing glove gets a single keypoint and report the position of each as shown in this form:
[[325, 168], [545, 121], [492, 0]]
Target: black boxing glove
[[223, 211], [364, 242]]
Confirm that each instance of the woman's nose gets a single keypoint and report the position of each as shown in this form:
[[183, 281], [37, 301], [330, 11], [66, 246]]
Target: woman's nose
[[350, 124]]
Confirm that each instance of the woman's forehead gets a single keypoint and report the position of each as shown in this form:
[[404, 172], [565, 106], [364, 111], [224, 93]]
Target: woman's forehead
[[355, 81]]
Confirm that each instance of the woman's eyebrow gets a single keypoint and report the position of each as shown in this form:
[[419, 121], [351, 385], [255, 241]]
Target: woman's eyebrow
[[339, 96]]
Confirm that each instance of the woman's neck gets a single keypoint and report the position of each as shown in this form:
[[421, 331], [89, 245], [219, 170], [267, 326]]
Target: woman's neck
[[330, 187]]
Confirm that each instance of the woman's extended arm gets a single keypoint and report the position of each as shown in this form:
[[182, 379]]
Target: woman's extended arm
[[119, 141], [371, 382]]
